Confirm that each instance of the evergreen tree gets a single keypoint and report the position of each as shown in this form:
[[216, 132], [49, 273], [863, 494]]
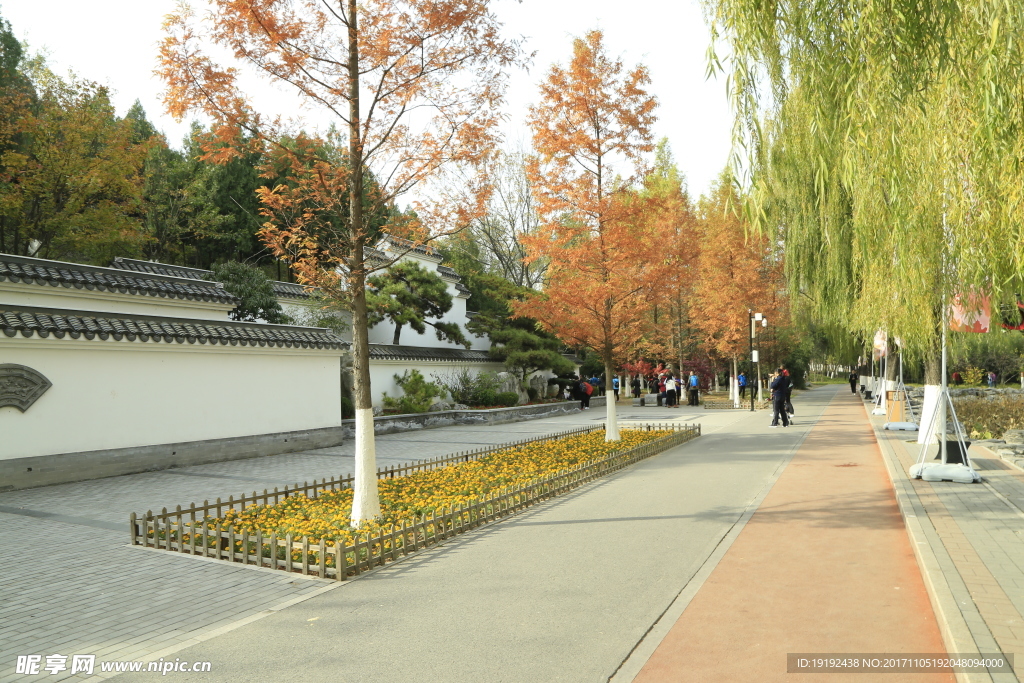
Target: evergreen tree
[[408, 294], [249, 284], [518, 342]]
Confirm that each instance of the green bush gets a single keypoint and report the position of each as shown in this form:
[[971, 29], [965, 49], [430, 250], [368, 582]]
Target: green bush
[[484, 397], [419, 394], [468, 387], [347, 411], [507, 399]]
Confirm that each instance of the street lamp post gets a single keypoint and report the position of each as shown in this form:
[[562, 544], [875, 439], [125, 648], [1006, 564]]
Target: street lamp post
[[754, 319]]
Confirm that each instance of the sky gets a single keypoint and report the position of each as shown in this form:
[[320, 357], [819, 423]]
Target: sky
[[113, 42]]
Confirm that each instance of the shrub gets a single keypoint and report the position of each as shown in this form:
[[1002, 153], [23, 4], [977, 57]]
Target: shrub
[[533, 394], [419, 394], [972, 375], [507, 399], [486, 397], [347, 410], [469, 387], [985, 418]]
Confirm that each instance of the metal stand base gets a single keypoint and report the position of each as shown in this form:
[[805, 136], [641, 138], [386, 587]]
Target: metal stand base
[[901, 426], [955, 472]]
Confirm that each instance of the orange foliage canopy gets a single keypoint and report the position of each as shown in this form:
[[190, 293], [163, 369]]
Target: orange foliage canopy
[[739, 271], [417, 88], [591, 132]]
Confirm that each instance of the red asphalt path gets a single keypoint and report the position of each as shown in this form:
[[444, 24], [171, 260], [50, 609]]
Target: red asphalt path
[[823, 566]]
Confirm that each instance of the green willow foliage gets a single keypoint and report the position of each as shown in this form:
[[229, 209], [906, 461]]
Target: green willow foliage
[[861, 123]]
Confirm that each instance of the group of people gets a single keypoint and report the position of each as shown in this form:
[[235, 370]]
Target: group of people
[[782, 398], [669, 387]]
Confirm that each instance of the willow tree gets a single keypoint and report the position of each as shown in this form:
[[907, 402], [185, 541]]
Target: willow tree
[[885, 138], [415, 88]]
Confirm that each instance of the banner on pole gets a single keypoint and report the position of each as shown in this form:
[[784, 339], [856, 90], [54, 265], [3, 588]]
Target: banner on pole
[[881, 346], [970, 312]]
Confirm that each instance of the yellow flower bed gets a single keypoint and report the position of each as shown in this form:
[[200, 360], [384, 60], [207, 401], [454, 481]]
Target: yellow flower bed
[[405, 499]]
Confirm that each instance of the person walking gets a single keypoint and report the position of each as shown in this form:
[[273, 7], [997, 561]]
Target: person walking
[[693, 385], [991, 380], [636, 386], [854, 378], [742, 382], [615, 387], [779, 387]]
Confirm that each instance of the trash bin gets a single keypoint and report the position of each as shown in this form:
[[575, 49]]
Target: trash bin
[[895, 406]]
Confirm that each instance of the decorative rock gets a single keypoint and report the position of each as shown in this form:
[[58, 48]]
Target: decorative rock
[[459, 406], [1014, 436], [439, 407], [377, 411]]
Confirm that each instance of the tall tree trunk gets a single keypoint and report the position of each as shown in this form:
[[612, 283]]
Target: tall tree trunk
[[398, 334], [366, 499]]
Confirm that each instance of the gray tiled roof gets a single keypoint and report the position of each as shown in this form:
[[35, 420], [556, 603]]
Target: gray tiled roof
[[400, 244], [284, 290], [43, 322], [73, 275], [423, 353]]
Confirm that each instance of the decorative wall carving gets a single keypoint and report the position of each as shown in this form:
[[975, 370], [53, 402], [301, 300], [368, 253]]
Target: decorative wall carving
[[21, 386]]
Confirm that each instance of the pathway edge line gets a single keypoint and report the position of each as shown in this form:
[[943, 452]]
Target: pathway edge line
[[932, 557]]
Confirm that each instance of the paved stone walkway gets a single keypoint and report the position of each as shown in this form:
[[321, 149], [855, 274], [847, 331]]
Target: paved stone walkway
[[975, 534], [824, 566], [560, 592], [551, 594], [72, 585]]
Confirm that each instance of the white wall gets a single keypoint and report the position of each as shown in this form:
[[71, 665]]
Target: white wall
[[122, 394], [20, 294]]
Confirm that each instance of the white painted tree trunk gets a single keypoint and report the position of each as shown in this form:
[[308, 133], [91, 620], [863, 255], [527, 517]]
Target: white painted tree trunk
[[612, 426], [734, 385], [365, 500], [931, 401]]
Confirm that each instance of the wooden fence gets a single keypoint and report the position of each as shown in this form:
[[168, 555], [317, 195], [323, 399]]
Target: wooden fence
[[178, 531], [726, 404]]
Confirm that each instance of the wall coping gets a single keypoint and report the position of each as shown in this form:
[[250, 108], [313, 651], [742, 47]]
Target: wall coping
[[389, 424]]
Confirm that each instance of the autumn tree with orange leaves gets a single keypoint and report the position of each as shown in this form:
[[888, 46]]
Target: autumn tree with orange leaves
[[415, 89], [738, 272], [591, 132], [669, 330]]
